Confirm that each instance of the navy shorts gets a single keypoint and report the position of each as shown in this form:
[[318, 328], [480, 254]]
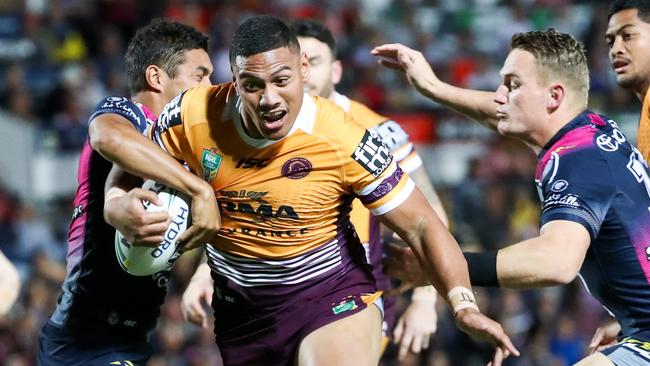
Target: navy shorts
[[58, 347]]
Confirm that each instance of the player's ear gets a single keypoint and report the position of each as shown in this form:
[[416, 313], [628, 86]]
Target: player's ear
[[154, 76], [556, 95], [304, 66], [337, 71]]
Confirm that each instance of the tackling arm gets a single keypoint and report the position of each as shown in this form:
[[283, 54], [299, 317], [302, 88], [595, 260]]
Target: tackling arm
[[477, 105]]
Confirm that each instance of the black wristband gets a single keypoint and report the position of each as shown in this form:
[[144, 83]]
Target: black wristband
[[482, 268]]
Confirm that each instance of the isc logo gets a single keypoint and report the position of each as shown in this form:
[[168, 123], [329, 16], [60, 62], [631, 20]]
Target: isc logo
[[247, 163]]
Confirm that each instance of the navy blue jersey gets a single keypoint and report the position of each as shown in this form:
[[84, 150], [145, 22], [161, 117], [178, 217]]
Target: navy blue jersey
[[97, 292], [589, 173]]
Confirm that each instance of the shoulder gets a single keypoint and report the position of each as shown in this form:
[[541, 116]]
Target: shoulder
[[366, 116], [195, 105], [123, 107], [334, 124]]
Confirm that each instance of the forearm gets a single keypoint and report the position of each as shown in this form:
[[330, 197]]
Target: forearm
[[421, 180], [530, 264], [434, 247], [123, 145], [475, 104]]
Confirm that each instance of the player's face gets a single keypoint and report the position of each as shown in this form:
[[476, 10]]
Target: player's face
[[628, 38], [193, 72], [323, 68], [521, 99], [270, 85]]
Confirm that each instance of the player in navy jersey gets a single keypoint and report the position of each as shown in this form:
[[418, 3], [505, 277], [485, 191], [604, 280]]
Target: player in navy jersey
[[104, 314], [593, 184]]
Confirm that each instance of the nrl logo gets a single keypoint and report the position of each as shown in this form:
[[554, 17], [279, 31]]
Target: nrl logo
[[210, 162]]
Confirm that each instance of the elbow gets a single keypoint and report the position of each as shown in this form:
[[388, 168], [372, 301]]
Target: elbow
[[105, 142], [561, 275]]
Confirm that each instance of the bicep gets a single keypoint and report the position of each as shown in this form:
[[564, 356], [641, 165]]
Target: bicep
[[567, 241]]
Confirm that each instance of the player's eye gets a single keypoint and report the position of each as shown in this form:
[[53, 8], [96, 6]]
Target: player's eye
[[251, 87], [282, 81], [627, 36]]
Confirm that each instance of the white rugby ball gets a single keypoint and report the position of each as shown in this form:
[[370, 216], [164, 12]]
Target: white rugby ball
[[144, 261]]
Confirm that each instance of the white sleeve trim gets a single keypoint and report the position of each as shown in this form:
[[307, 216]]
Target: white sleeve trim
[[402, 152], [396, 201], [375, 183], [411, 164]]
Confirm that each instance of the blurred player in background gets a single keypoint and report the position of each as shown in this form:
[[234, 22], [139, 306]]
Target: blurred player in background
[[628, 38], [104, 314], [593, 183], [291, 283], [414, 328], [9, 285]]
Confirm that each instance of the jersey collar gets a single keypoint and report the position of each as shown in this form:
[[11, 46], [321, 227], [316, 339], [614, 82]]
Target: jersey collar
[[580, 120]]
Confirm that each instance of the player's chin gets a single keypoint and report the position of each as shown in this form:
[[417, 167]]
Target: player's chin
[[504, 127], [275, 130]]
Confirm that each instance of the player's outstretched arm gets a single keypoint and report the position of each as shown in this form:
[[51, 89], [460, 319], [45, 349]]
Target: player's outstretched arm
[[443, 262], [477, 105], [542, 261], [9, 285], [553, 258]]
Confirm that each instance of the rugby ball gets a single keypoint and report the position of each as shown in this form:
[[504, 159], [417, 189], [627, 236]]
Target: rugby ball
[[145, 261]]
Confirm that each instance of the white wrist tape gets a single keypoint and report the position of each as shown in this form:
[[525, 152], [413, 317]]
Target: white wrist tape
[[461, 298]]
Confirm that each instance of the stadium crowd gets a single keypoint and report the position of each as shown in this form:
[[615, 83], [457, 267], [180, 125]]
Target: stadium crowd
[[59, 58]]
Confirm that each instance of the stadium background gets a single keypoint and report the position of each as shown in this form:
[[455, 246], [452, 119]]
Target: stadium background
[[58, 58]]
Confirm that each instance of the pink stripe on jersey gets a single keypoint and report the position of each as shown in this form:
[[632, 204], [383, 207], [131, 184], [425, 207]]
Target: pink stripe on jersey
[[596, 119], [77, 230], [573, 140], [147, 112], [640, 240]]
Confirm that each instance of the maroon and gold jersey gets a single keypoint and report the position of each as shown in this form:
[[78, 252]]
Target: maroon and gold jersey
[[285, 203], [643, 136]]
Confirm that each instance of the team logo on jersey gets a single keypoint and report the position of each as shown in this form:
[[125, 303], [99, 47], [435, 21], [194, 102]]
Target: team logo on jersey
[[296, 168], [559, 185], [210, 162], [607, 143], [372, 154], [171, 114]]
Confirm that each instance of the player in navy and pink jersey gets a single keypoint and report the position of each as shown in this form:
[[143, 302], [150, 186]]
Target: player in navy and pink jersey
[[104, 314], [593, 184]]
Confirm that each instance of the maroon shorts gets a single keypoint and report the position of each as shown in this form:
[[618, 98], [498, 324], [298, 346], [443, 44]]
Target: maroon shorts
[[264, 325]]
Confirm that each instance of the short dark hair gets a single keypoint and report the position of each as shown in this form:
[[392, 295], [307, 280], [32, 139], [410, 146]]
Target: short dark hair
[[643, 7], [260, 34], [161, 43], [314, 29], [558, 55]]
